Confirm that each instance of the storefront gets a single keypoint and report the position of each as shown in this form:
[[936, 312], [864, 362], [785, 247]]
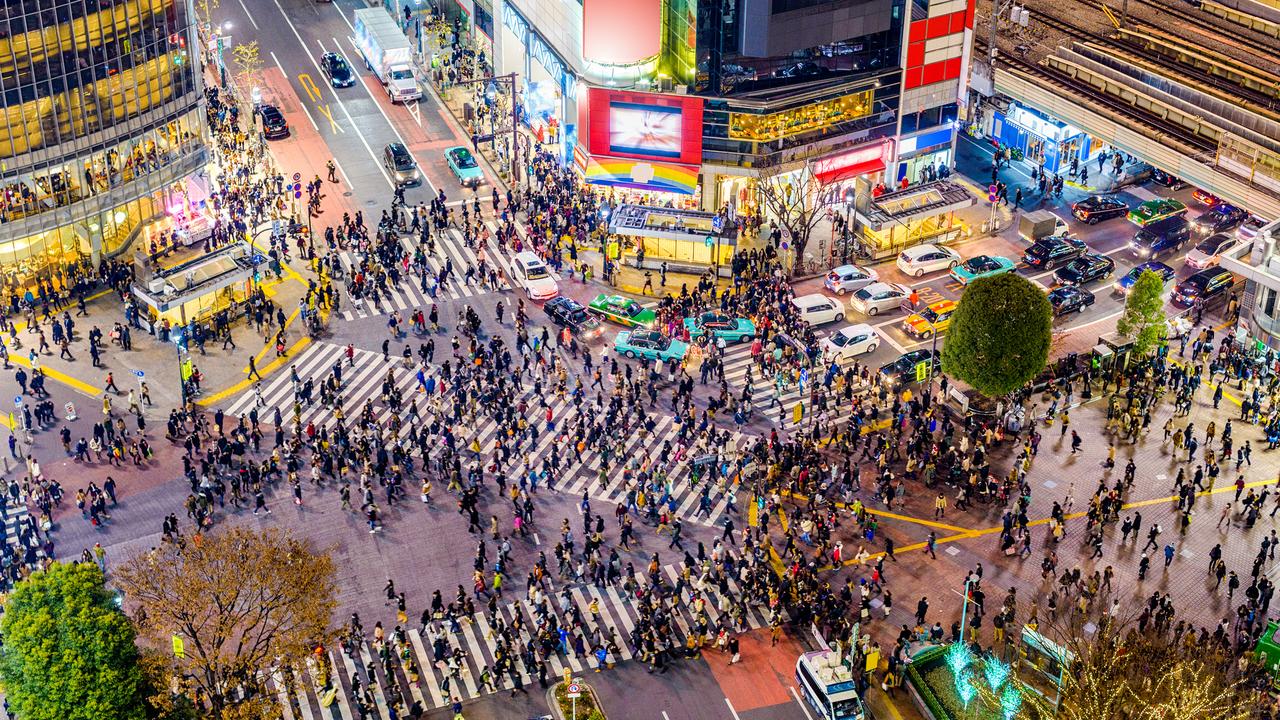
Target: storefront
[[844, 176], [638, 182], [685, 240], [198, 289], [1049, 143], [922, 155], [919, 214]]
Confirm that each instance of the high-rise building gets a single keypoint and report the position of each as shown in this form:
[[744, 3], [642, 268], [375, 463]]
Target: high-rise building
[[102, 129], [691, 101]]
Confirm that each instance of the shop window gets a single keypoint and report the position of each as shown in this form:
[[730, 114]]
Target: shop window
[[1268, 304]]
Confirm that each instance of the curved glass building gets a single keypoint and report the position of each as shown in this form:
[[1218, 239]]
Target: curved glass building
[[102, 130]]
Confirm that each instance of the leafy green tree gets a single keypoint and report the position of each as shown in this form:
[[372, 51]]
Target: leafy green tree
[[69, 652], [1144, 320], [1000, 334]]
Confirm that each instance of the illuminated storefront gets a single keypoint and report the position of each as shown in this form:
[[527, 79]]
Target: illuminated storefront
[[919, 214], [101, 131], [1040, 140], [197, 290], [683, 239], [771, 127]]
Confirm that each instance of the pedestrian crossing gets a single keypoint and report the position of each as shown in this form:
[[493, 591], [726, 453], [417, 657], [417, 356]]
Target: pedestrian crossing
[[362, 379], [415, 291], [383, 679], [738, 362]]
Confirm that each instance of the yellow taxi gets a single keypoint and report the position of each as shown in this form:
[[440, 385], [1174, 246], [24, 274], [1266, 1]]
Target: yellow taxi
[[934, 319]]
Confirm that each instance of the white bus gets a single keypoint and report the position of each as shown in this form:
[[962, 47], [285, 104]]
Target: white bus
[[828, 686]]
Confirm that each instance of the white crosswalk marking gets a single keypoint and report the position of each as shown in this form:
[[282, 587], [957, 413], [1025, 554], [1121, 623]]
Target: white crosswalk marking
[[362, 381], [617, 617], [413, 291]]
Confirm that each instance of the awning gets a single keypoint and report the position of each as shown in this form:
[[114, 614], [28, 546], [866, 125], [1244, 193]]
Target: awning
[[850, 171], [639, 174]]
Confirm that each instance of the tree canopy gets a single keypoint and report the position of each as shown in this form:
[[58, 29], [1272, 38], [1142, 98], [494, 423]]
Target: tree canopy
[[68, 650], [1000, 334], [241, 601], [1144, 319]]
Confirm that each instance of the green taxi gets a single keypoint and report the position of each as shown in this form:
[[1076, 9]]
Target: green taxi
[[622, 310]]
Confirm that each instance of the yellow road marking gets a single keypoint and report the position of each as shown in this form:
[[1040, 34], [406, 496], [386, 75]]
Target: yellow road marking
[[263, 371], [59, 376]]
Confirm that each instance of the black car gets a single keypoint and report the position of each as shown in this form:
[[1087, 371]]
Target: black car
[[1086, 269], [1164, 179], [1207, 286], [1051, 252], [274, 126], [1160, 237], [1098, 208], [1069, 299], [1222, 218], [569, 313], [335, 68], [903, 370]]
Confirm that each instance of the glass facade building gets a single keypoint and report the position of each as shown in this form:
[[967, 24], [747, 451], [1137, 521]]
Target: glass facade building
[[101, 128]]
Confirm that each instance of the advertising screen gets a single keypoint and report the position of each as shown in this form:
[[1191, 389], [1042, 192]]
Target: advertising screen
[[636, 129], [641, 126]]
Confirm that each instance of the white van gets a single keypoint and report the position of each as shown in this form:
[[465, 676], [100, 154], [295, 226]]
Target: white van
[[818, 309], [531, 273]]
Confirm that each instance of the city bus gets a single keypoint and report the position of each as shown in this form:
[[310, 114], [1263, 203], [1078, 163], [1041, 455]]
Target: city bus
[[828, 686]]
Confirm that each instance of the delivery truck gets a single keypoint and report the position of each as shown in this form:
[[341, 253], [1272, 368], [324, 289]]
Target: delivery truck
[[1041, 223], [387, 53]]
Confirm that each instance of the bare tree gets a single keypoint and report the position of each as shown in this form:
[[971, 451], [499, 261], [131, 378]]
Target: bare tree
[[792, 199]]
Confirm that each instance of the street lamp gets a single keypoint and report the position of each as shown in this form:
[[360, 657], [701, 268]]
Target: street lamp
[[222, 39]]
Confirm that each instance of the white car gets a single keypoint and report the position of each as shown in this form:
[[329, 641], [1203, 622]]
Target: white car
[[850, 341], [849, 278], [879, 297], [1205, 254], [818, 309], [921, 259], [531, 273]]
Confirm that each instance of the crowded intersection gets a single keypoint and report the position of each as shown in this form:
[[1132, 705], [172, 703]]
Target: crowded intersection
[[543, 451]]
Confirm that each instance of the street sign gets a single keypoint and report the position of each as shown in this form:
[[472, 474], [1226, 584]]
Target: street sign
[[297, 176], [17, 402], [574, 690], [922, 370], [71, 411], [140, 374], [297, 194], [717, 223]]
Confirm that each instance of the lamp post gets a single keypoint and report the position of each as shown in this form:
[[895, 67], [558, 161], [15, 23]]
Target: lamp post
[[509, 79], [221, 40]]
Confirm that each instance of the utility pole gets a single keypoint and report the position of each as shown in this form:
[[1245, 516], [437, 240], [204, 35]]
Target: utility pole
[[991, 42]]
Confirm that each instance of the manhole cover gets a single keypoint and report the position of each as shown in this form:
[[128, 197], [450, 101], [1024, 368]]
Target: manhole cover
[[370, 203], [346, 194]]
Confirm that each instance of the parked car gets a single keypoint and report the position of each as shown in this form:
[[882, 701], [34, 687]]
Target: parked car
[[879, 297], [921, 259], [401, 165], [849, 278], [1160, 238], [650, 345], [1069, 299], [1164, 179], [933, 320], [981, 266], [720, 325], [464, 167], [903, 370], [1205, 254], [818, 309], [569, 313], [336, 68], [1051, 252], [274, 126], [1223, 218], [1208, 286], [1095, 209], [850, 341], [1085, 269], [622, 310], [1125, 284], [1156, 210]]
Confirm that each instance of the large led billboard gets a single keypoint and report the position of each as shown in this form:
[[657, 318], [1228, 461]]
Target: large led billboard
[[642, 126], [636, 129], [621, 32]]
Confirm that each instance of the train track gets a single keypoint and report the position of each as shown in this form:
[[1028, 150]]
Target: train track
[[1078, 89], [1268, 57]]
